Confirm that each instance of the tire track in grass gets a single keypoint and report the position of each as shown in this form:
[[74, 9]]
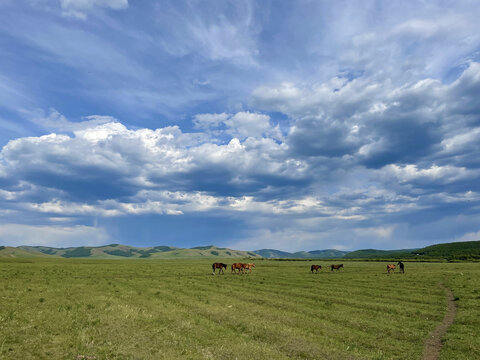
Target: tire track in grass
[[360, 302], [365, 301], [433, 343], [280, 339], [186, 305], [356, 334]]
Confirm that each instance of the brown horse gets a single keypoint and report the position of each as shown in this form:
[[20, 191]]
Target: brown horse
[[219, 266], [316, 268], [336, 267], [237, 266], [391, 267], [248, 266], [402, 267]]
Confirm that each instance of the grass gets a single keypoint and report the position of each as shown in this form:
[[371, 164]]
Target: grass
[[134, 309]]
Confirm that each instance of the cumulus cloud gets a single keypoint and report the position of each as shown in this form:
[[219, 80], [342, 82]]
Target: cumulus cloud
[[357, 151], [376, 122], [359, 157], [54, 121], [108, 161], [208, 121], [242, 125]]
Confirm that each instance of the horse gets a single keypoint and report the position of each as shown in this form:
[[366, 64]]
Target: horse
[[336, 267], [238, 266], [391, 267], [316, 268], [248, 266], [220, 266], [402, 267]]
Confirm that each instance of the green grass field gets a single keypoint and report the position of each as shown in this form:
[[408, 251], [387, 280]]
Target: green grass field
[[167, 309]]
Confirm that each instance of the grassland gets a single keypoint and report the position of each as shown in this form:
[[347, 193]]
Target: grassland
[[169, 309]]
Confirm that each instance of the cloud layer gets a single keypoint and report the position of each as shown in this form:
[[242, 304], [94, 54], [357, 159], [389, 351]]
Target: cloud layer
[[358, 154], [255, 124]]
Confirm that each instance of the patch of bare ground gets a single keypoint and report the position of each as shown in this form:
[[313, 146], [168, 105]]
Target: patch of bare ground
[[433, 344]]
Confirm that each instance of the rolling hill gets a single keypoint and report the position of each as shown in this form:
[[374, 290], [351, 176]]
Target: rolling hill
[[115, 251], [315, 254], [451, 251], [380, 254], [468, 250], [13, 252]]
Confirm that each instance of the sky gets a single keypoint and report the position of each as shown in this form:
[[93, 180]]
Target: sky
[[293, 125]]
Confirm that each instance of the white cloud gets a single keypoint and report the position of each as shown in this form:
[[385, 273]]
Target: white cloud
[[471, 236], [242, 125], [79, 8], [205, 32], [434, 174], [246, 124], [208, 121], [57, 122]]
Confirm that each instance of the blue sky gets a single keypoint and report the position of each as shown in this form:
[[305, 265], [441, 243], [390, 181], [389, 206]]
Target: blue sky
[[249, 124]]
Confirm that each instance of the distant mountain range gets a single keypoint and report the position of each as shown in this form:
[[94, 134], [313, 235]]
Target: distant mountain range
[[124, 251], [456, 250], [315, 254]]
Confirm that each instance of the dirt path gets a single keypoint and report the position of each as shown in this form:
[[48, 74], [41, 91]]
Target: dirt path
[[431, 351]]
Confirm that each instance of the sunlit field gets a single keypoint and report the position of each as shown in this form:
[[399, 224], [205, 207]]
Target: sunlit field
[[140, 309]]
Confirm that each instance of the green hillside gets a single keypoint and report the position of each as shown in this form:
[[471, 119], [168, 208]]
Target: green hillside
[[124, 251], [315, 254], [13, 252], [467, 250], [456, 250], [380, 254]]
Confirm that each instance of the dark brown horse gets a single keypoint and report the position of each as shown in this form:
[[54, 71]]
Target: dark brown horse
[[336, 267], [316, 268], [219, 266], [402, 267], [391, 267], [237, 266]]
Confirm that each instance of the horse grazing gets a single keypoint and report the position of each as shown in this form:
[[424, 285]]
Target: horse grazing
[[219, 266], [316, 268], [248, 266], [402, 267], [237, 266], [336, 267], [391, 267]]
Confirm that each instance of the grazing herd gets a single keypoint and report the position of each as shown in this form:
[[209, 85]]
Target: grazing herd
[[242, 268]]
